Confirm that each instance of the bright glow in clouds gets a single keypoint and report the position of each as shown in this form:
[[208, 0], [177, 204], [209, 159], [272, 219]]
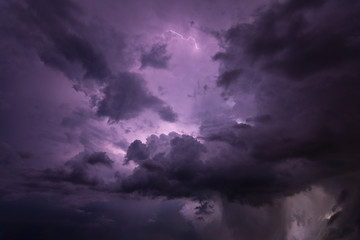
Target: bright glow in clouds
[[307, 211], [329, 215], [190, 38], [182, 90], [240, 121], [270, 148]]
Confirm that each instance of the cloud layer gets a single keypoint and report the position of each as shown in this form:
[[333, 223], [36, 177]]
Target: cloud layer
[[100, 110]]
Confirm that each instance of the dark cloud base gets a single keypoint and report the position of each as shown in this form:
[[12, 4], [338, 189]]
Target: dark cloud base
[[41, 218]]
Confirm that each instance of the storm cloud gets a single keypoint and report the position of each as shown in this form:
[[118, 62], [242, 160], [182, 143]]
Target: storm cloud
[[167, 120], [157, 57], [81, 170], [58, 36], [300, 131], [126, 96], [180, 166], [56, 32]]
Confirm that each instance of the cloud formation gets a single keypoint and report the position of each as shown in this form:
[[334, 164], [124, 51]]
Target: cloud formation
[[58, 36], [276, 128], [304, 127], [83, 170], [126, 96], [180, 166], [157, 57], [62, 41]]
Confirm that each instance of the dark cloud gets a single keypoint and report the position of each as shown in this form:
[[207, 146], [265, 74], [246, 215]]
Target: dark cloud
[[259, 119], [77, 171], [157, 57], [228, 77], [56, 33], [48, 218], [99, 158], [204, 208], [299, 62], [137, 151], [242, 126], [302, 132], [299, 39], [167, 164], [119, 103], [85, 159], [76, 175], [222, 56], [59, 37], [290, 123], [230, 137], [178, 166], [311, 118], [126, 96], [74, 49], [166, 113]]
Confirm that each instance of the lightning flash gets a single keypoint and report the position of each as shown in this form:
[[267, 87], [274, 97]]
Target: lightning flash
[[190, 38]]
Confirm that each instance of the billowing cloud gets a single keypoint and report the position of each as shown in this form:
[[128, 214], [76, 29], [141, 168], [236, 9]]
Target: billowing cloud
[[299, 81], [301, 131], [180, 166], [277, 127]]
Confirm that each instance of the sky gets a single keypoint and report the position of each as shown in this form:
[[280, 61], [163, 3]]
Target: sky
[[169, 120]]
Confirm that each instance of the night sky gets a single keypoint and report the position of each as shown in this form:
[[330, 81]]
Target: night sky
[[173, 120]]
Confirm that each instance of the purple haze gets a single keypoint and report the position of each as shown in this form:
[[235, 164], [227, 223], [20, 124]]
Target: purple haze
[[179, 119]]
